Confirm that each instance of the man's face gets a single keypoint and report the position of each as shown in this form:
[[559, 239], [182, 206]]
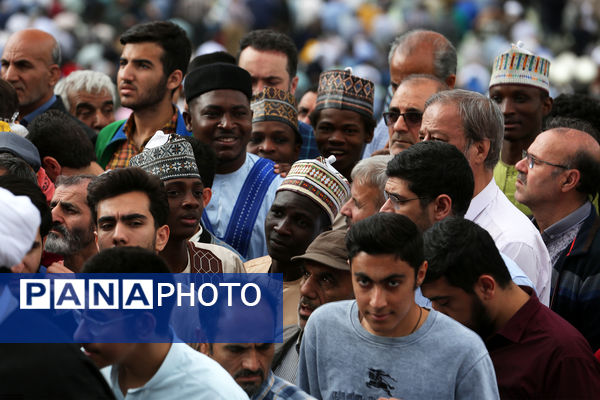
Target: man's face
[[384, 287], [27, 65], [405, 63], [267, 68], [466, 308], [72, 225], [125, 220], [31, 262], [542, 183], [523, 108], [321, 284], [187, 197], [410, 97], [341, 133], [247, 363], [306, 106], [365, 201], [275, 141], [291, 225], [222, 119], [401, 200], [141, 80], [96, 110]]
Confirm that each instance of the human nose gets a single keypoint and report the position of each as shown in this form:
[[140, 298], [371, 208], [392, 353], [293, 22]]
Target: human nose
[[387, 207], [57, 215], [100, 120], [251, 361], [267, 146], [347, 209], [521, 165], [119, 236], [378, 300], [226, 121], [190, 201], [400, 124], [283, 226], [307, 288], [506, 106]]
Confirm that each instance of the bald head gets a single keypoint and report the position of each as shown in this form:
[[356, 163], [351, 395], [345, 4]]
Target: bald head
[[30, 62], [422, 52]]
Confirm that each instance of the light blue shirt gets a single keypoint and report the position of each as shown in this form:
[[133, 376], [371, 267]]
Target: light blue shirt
[[184, 374], [225, 191], [380, 138]]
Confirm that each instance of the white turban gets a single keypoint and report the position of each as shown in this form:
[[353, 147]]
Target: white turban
[[19, 223]]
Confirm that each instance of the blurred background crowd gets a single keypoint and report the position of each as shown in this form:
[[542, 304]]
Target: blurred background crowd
[[328, 33]]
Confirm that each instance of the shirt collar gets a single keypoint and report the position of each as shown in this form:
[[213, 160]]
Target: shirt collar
[[483, 198], [29, 117], [560, 227], [266, 387], [516, 326]]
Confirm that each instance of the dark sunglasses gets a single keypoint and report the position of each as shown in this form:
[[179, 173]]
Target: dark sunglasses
[[411, 118]]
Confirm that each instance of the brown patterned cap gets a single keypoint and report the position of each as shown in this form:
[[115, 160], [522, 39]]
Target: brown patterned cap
[[342, 90], [274, 104]]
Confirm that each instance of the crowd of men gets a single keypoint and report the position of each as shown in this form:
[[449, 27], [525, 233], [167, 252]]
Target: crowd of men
[[456, 239]]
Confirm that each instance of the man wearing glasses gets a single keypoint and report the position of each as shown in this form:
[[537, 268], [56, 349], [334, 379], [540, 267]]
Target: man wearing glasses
[[408, 102], [473, 123], [557, 175]]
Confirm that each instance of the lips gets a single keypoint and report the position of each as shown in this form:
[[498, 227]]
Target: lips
[[189, 219], [305, 309], [510, 124], [126, 89]]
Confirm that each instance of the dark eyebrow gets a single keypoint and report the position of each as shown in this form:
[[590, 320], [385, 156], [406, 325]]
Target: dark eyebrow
[[437, 298], [130, 217], [387, 278], [108, 218]]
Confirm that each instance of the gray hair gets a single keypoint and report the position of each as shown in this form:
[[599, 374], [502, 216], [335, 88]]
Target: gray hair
[[56, 54], [444, 57], [86, 80], [371, 171], [481, 119]]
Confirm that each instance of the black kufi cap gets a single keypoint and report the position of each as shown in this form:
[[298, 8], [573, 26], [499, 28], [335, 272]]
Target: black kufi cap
[[214, 77]]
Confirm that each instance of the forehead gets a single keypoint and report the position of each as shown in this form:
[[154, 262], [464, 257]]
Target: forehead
[[441, 288], [398, 186], [25, 48], [414, 94], [407, 61], [380, 266], [338, 116], [359, 189], [296, 202], [72, 193], [551, 143], [308, 99], [444, 117], [272, 127], [126, 203], [263, 62], [143, 51], [223, 98], [188, 182], [507, 90], [95, 98]]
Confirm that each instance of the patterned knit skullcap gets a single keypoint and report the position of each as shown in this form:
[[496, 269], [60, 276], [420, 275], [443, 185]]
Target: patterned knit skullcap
[[274, 104], [342, 90], [521, 67], [318, 180], [168, 157]]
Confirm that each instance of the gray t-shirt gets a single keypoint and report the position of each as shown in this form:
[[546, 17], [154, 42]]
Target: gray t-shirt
[[339, 359]]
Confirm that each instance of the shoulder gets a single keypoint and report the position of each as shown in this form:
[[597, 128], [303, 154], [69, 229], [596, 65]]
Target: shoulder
[[231, 261], [285, 390], [330, 316], [108, 132], [202, 375], [258, 265], [455, 334]]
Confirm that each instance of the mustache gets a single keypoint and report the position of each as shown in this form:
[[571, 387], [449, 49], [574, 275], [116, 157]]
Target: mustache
[[247, 373], [60, 228], [522, 177], [307, 303]]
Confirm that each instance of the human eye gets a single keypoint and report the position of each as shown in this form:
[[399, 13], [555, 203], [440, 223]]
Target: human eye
[[394, 283], [496, 99], [106, 226], [439, 139], [240, 113], [281, 140], [324, 128], [173, 192], [363, 281], [256, 139], [122, 62]]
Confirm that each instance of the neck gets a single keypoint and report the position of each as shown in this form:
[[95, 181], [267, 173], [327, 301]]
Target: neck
[[28, 109], [512, 152], [550, 213], [290, 270], [510, 300], [482, 178], [151, 119], [144, 364], [75, 261], [175, 254], [228, 167]]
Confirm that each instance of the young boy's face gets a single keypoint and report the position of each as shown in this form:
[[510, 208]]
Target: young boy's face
[[384, 287]]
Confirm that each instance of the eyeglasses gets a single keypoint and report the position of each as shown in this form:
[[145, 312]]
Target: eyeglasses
[[398, 201], [531, 160], [411, 118]]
